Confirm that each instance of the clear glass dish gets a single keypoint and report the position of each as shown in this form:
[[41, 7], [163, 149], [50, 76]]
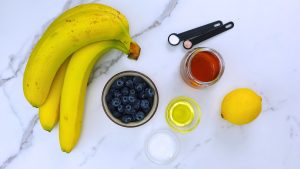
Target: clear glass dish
[[190, 122], [162, 147]]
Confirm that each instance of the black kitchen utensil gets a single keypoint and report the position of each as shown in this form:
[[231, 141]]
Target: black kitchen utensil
[[189, 43], [174, 38]]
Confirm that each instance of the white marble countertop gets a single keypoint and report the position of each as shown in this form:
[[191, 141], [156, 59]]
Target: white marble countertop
[[261, 52]]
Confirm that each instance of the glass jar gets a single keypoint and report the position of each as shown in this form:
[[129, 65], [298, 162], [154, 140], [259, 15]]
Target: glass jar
[[202, 67]]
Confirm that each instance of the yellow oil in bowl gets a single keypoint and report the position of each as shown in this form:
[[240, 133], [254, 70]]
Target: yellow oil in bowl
[[183, 114]]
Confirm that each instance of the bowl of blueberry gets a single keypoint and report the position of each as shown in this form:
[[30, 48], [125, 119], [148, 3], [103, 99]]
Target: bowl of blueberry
[[130, 99]]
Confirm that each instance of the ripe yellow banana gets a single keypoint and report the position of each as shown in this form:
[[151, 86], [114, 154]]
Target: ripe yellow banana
[[78, 10], [88, 8], [76, 32], [49, 111], [74, 90]]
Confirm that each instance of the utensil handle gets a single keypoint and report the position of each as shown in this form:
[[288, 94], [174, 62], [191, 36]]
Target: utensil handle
[[199, 31], [212, 33]]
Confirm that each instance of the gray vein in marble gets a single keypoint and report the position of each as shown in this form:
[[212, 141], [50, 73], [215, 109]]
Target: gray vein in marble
[[228, 126], [165, 14], [12, 107], [198, 145], [296, 121], [92, 152], [138, 154], [25, 56], [103, 68], [294, 126], [207, 140], [15, 71], [271, 106], [5, 80], [25, 142], [67, 5], [94, 1], [12, 59], [20, 65], [275, 106], [179, 165], [27, 134]]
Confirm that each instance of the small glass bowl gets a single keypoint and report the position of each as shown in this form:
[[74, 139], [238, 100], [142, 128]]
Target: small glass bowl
[[154, 104], [162, 147], [196, 116]]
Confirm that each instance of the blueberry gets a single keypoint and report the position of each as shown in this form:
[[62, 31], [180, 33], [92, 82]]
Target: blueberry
[[129, 83], [117, 94], [149, 92], [125, 100], [131, 99], [120, 108], [142, 95], [132, 91], [125, 91], [116, 102], [137, 80], [139, 87], [139, 116], [128, 108], [145, 104], [116, 114], [136, 104], [127, 118], [118, 84]]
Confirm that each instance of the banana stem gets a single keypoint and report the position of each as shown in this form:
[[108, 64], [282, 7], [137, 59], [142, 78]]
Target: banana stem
[[134, 51]]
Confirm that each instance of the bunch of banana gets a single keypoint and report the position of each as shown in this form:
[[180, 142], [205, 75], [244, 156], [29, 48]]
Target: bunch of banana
[[58, 69]]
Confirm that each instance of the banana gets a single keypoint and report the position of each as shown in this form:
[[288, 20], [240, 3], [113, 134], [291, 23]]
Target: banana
[[78, 10], [74, 90], [87, 8], [49, 111], [76, 32]]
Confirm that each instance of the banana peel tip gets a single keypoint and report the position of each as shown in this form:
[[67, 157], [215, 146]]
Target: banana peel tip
[[134, 52]]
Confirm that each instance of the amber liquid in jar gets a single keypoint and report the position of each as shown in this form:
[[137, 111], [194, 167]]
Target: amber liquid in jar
[[202, 67]]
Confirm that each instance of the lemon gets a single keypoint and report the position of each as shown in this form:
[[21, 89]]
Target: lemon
[[241, 106]]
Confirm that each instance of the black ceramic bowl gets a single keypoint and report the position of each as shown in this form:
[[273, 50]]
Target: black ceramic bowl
[[152, 109]]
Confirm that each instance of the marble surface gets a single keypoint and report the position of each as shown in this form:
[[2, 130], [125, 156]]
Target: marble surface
[[261, 52]]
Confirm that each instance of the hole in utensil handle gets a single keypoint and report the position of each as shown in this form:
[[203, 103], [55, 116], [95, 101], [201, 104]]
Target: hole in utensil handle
[[229, 25]]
